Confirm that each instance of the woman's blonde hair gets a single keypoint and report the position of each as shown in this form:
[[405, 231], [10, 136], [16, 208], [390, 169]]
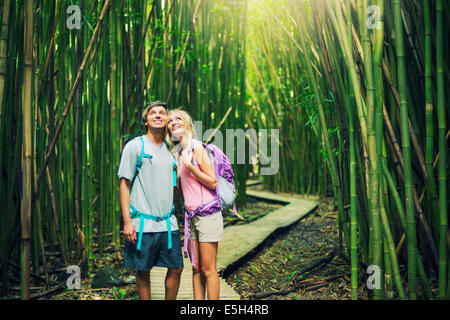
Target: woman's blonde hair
[[188, 125]]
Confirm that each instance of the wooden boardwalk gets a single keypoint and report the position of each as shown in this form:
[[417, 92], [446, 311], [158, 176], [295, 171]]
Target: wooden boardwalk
[[241, 239], [238, 242]]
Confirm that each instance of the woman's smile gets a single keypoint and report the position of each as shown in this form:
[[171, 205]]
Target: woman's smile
[[175, 124]]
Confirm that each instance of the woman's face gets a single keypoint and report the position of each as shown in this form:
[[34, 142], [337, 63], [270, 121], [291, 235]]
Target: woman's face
[[176, 125]]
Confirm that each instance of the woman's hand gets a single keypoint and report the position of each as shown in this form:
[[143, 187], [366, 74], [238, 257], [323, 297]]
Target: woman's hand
[[186, 158]]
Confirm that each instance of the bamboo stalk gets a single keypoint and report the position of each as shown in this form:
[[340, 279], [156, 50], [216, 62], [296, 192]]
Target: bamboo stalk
[[409, 201], [431, 186], [353, 193], [3, 51], [378, 36], [442, 168], [392, 253], [398, 159], [402, 217], [26, 151], [37, 204], [76, 140]]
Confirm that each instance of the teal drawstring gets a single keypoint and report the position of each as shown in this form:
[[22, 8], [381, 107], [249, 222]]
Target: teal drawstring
[[137, 214]]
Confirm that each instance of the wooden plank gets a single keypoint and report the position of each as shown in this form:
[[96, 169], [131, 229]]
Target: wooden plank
[[157, 276]]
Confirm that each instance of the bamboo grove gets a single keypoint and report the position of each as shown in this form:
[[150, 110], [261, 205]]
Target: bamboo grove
[[357, 88], [369, 79], [71, 98]]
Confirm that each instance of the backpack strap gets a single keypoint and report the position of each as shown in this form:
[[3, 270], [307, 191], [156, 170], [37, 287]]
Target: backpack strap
[[137, 214], [174, 165], [142, 155], [139, 161], [215, 191]]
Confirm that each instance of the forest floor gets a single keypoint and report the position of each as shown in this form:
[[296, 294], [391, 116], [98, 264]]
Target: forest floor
[[273, 268], [274, 272]]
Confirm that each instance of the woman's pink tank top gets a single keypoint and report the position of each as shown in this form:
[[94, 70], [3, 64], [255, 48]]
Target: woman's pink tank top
[[194, 193]]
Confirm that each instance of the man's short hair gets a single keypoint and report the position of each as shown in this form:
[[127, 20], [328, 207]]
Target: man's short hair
[[157, 103]]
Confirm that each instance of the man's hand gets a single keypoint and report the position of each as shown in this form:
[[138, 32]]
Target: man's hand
[[129, 232], [128, 228]]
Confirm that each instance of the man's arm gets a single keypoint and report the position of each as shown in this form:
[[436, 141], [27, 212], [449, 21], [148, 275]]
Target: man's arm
[[128, 228]]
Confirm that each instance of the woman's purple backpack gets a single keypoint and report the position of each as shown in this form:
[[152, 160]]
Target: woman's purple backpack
[[225, 190]]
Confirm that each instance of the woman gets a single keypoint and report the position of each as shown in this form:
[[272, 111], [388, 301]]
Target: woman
[[197, 176]]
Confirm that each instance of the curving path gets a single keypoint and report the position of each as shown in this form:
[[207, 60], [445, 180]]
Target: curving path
[[239, 241]]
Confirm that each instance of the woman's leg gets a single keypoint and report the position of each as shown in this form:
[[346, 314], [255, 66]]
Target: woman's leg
[[208, 255], [198, 279]]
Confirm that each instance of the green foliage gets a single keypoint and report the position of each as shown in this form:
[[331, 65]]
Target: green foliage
[[142, 51]]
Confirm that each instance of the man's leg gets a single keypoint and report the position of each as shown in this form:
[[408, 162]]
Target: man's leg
[[172, 282], [143, 284]]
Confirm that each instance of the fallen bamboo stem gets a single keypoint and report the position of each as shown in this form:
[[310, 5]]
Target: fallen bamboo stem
[[317, 263], [39, 295]]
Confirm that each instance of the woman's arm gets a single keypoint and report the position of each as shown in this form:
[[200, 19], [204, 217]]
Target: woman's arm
[[205, 171]]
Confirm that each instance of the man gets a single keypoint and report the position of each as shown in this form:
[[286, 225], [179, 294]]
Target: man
[[146, 174]]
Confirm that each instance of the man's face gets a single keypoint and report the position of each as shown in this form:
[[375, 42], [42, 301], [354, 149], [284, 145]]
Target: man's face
[[157, 118]]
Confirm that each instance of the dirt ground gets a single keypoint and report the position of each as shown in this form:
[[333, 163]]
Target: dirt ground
[[275, 268]]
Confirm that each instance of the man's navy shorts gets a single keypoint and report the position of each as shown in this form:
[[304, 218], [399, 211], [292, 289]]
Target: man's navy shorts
[[154, 252]]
